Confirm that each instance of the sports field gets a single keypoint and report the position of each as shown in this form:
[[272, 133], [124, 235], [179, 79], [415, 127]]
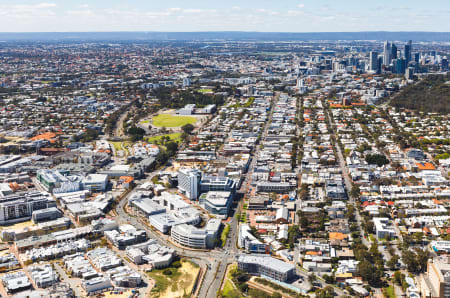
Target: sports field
[[168, 120], [176, 137]]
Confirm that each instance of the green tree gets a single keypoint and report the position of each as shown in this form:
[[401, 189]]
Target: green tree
[[355, 191], [369, 273], [188, 128]]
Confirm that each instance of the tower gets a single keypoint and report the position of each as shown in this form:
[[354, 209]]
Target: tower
[[394, 51], [373, 61], [387, 53], [408, 49]]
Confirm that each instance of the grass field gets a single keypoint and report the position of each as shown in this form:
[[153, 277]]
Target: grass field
[[176, 284], [224, 235], [167, 120], [176, 137], [118, 146], [390, 292], [145, 121], [204, 90], [228, 289]]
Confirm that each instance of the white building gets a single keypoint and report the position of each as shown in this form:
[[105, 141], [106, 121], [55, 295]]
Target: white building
[[95, 182], [383, 228], [193, 237], [189, 182], [217, 202], [96, 285], [249, 242]]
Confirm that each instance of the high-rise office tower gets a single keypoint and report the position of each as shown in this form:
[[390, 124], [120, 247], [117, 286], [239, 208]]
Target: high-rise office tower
[[373, 61], [408, 49], [394, 51], [400, 66], [387, 53], [444, 64], [379, 65], [417, 57]]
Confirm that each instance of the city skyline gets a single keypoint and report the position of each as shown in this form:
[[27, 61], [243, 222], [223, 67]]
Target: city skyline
[[263, 16]]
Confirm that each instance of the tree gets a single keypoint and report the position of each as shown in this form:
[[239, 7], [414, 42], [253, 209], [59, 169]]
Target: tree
[[398, 277], [369, 273], [136, 133], [292, 235], [188, 128], [409, 259], [276, 295], [392, 263], [327, 292], [172, 147], [378, 159], [329, 279], [355, 191]]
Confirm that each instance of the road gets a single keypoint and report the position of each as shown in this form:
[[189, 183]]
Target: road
[[348, 186]]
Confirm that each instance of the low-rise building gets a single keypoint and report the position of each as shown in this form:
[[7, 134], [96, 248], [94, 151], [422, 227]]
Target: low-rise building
[[127, 235], [266, 266], [96, 285], [16, 282], [383, 228], [190, 236], [249, 242], [217, 202], [43, 276]]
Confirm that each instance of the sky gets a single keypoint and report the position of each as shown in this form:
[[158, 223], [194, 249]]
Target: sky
[[224, 15]]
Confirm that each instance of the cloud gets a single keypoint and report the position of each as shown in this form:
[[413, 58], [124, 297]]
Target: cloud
[[44, 5], [28, 11], [294, 13], [301, 5], [81, 13]]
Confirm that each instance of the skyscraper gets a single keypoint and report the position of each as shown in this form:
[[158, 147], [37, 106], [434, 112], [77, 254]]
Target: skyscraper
[[408, 49], [373, 61], [387, 53], [394, 51], [400, 65]]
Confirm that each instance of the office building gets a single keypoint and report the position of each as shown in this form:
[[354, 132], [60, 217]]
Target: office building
[[408, 49], [96, 285], [20, 206], [54, 181], [16, 282], [399, 65], [394, 53], [435, 283], [409, 73], [190, 236], [95, 182], [189, 182], [266, 266], [217, 183], [217, 202], [373, 61], [46, 214], [387, 53], [127, 235]]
